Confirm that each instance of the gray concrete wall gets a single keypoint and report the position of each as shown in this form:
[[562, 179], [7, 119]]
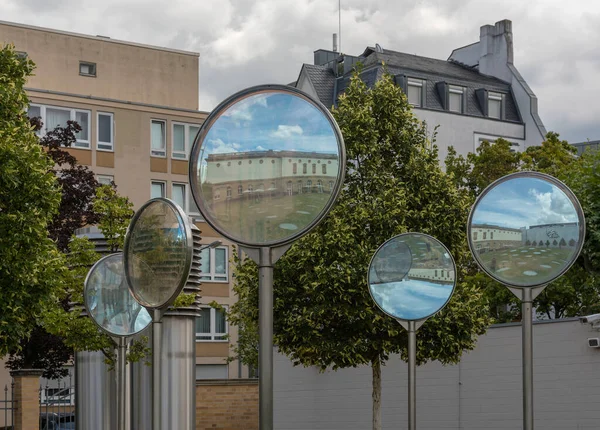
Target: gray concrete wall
[[482, 392]]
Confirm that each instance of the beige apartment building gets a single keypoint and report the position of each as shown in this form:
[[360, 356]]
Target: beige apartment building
[[138, 109]]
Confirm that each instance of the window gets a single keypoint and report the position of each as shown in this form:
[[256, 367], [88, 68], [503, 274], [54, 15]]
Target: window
[[158, 138], [213, 264], [192, 207], [314, 169], [304, 168], [104, 139], [87, 69], [21, 54], [495, 105], [295, 168], [105, 179], [491, 235], [157, 189], [414, 92], [455, 99], [228, 192], [324, 168], [211, 325], [183, 139], [330, 185], [475, 235], [179, 196], [54, 116], [240, 190], [299, 187], [319, 186], [484, 235]]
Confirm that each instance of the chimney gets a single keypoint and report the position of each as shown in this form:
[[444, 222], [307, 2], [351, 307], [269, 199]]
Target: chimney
[[335, 42], [496, 49]]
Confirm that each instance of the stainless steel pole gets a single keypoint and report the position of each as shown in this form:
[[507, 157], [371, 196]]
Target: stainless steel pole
[[265, 352], [156, 373], [121, 383], [412, 375], [527, 325]]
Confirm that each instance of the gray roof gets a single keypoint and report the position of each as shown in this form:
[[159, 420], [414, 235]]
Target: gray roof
[[323, 79], [592, 145]]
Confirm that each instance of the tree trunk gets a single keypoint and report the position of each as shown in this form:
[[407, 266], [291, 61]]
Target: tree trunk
[[376, 367]]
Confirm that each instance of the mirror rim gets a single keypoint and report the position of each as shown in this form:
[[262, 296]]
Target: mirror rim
[[531, 175], [193, 174], [408, 234], [183, 220], [85, 297]]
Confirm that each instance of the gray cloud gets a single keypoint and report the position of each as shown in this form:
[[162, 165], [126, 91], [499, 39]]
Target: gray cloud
[[249, 42]]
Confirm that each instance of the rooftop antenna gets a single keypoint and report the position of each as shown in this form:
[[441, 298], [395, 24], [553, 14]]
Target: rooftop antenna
[[340, 25]]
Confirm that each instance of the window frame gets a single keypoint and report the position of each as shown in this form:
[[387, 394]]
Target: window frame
[[186, 140], [457, 89], [162, 183], [92, 65], [212, 263], [79, 143], [213, 320], [185, 206], [496, 97], [418, 83], [99, 177], [112, 132], [157, 152]]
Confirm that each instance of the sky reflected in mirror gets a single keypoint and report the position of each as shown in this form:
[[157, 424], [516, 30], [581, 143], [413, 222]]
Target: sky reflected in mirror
[[109, 301], [525, 231], [268, 166], [412, 276]]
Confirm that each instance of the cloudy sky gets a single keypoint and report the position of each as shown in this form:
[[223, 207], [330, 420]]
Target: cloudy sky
[[250, 42], [524, 202]]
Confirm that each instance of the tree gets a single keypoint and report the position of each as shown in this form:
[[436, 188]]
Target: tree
[[324, 315], [31, 267]]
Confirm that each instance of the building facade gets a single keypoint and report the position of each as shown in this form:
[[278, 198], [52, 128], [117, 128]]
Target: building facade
[[475, 95], [138, 109]]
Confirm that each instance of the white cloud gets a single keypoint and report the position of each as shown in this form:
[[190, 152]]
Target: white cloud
[[287, 131], [220, 147], [260, 148]]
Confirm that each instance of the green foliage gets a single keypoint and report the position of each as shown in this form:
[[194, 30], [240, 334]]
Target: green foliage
[[31, 267], [115, 212], [324, 315]]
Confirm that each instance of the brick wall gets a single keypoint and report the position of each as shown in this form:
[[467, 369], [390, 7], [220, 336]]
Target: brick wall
[[230, 404]]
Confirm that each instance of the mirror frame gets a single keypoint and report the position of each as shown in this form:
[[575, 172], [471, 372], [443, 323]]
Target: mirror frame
[[86, 305], [409, 234], [206, 127], [183, 221], [532, 175]]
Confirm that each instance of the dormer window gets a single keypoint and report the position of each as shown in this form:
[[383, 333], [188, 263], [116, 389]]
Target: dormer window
[[415, 92], [456, 97], [494, 104]]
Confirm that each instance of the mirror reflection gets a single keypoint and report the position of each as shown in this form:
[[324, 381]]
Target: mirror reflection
[[525, 231], [412, 276], [109, 301], [267, 167], [157, 251]]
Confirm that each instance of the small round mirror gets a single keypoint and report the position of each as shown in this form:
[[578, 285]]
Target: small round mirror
[[412, 276], [158, 253], [267, 165], [526, 229], [108, 300]]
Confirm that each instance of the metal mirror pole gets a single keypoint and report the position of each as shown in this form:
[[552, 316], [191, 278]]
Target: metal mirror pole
[[121, 382], [412, 375], [156, 373], [527, 326], [265, 353]]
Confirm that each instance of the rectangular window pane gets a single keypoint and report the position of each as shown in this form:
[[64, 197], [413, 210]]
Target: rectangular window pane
[[158, 138], [414, 95], [158, 190], [83, 119], [220, 324], [220, 260], [205, 263], [193, 207], [105, 179], [203, 325], [192, 135], [104, 131], [456, 102], [178, 195], [56, 117], [34, 111], [494, 108], [179, 138]]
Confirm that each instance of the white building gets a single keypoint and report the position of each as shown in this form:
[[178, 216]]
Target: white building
[[476, 94]]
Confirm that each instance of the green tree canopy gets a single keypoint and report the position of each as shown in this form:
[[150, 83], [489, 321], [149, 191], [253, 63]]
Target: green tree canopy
[[31, 267], [324, 314]]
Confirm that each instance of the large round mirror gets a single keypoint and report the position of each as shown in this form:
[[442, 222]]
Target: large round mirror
[[267, 165], [526, 229], [412, 276], [158, 253], [108, 300]]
